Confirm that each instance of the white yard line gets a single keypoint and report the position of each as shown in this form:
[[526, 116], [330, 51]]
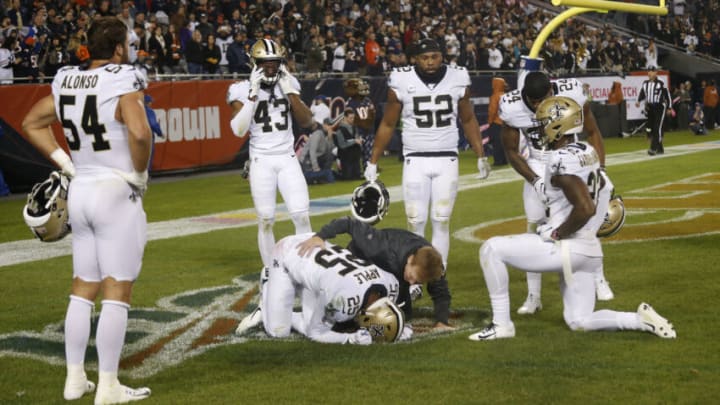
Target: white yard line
[[28, 250]]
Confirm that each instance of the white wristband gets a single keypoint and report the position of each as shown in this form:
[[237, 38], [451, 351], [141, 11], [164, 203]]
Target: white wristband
[[63, 161]]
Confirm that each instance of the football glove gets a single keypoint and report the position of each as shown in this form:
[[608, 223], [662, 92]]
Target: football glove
[[136, 180], [285, 81], [547, 233], [407, 333], [360, 337], [483, 168], [255, 80], [371, 171], [539, 186]]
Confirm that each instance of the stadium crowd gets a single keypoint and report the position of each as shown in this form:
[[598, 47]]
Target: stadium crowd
[[369, 37]]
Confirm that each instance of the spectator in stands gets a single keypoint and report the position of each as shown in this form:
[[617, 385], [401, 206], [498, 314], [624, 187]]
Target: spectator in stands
[[353, 56], [710, 104], [372, 54], [211, 56], [194, 54], [349, 144], [238, 58], [222, 42], [651, 56], [320, 109], [338, 64], [159, 49], [313, 55], [204, 26], [7, 60], [495, 57], [317, 155]]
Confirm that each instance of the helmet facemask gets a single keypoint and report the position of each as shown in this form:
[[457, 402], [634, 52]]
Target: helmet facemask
[[267, 50], [383, 319]]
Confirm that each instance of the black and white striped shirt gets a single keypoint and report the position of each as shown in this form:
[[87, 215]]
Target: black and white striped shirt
[[654, 92]]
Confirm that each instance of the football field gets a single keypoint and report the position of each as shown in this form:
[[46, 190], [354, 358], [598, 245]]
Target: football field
[[200, 275]]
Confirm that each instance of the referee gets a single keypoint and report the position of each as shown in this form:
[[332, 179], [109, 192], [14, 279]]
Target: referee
[[657, 103]]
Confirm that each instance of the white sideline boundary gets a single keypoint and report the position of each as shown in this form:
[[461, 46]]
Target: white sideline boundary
[[28, 250]]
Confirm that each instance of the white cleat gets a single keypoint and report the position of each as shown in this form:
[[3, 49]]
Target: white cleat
[[119, 394], [249, 322], [658, 325], [76, 387], [532, 304], [603, 291], [493, 331]]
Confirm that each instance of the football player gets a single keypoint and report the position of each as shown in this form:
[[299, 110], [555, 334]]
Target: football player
[[101, 110], [577, 196], [409, 257], [262, 107], [429, 97], [334, 287], [517, 110]]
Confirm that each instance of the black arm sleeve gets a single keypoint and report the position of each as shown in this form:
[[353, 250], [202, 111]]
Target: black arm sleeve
[[440, 294]]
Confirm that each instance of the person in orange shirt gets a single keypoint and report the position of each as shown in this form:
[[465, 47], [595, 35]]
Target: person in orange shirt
[[499, 87], [710, 103], [372, 53], [616, 95]]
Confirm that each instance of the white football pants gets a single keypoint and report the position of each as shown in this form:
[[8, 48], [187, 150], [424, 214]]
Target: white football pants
[[528, 252], [431, 181], [268, 174]]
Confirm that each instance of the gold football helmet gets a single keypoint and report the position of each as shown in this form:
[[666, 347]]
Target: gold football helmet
[[383, 319], [267, 50], [614, 218], [559, 116], [46, 211]]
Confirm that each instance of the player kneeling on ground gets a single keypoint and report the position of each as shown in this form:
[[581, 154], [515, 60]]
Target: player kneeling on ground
[[338, 293], [567, 244]]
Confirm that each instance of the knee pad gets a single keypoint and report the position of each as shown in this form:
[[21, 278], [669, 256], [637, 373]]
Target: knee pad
[[575, 324], [266, 223], [301, 220]]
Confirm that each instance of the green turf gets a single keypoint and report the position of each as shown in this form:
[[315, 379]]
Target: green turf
[[545, 363]]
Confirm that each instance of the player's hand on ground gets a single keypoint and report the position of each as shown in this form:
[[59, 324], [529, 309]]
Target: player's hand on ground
[[407, 333], [360, 337], [483, 168], [443, 327], [305, 248]]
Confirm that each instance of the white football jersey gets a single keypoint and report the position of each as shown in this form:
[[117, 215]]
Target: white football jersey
[[339, 276], [577, 159], [85, 104], [515, 113], [429, 113], [271, 130]]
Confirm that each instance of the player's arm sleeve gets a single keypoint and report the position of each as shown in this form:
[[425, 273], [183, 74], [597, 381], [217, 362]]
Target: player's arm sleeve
[[241, 120], [440, 294]]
